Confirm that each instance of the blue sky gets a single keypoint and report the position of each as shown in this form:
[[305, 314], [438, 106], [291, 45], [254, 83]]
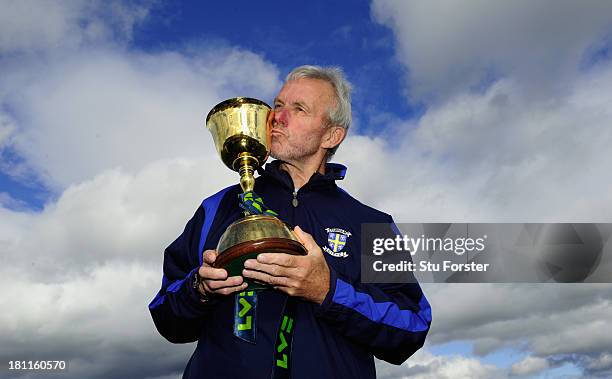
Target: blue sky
[[342, 35], [322, 33], [463, 112], [26, 192]]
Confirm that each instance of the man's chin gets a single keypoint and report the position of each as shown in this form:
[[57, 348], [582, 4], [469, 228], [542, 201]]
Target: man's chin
[[276, 151], [281, 157], [277, 156]]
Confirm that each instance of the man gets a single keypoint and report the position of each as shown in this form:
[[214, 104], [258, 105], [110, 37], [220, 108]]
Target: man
[[340, 324]]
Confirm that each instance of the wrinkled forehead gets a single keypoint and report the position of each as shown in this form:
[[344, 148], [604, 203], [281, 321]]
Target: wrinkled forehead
[[316, 93]]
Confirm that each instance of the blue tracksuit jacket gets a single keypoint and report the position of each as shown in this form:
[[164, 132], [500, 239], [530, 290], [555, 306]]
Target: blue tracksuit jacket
[[337, 339]]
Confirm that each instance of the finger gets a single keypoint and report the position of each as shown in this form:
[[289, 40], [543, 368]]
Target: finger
[[281, 259], [232, 281], [209, 256], [230, 290], [272, 269], [267, 278], [207, 273]]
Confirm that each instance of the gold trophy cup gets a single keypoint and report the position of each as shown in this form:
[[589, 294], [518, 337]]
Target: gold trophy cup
[[241, 132]]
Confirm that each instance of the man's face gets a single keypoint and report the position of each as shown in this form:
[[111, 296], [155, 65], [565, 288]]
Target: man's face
[[300, 119]]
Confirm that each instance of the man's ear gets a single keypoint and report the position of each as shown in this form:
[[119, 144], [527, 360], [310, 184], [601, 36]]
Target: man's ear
[[334, 135]]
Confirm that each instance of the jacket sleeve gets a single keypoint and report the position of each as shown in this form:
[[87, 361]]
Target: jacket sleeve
[[390, 320], [176, 309]]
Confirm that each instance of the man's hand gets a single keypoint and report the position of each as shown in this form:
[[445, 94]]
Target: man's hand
[[304, 276], [215, 280]]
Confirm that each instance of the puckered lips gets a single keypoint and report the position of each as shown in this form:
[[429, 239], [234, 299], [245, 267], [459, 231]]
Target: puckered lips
[[276, 132]]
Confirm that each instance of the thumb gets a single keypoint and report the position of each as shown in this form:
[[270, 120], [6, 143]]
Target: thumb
[[305, 238], [209, 256]]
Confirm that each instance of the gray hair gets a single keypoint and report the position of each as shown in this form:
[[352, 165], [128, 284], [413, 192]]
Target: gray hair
[[340, 114]]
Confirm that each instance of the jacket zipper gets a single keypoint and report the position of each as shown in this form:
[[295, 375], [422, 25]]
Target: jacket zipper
[[295, 202]]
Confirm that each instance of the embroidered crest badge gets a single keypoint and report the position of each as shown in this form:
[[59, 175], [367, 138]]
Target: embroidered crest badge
[[336, 241]]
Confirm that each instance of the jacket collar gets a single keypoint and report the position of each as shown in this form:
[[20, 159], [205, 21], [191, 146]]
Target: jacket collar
[[333, 172]]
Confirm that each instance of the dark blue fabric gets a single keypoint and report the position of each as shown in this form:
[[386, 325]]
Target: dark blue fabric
[[387, 313], [339, 336], [210, 206]]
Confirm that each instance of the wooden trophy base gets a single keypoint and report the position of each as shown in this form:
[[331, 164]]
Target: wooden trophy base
[[232, 259]]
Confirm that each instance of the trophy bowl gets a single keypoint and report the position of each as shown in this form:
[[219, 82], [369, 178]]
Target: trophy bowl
[[239, 127], [241, 133]]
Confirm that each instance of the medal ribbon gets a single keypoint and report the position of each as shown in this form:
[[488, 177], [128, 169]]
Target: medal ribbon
[[253, 204], [245, 316], [245, 305], [281, 368]]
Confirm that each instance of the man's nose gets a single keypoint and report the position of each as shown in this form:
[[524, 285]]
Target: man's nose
[[280, 116]]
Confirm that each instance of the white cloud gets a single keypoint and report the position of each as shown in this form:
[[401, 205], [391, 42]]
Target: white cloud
[[99, 109], [119, 135], [496, 156], [451, 46], [509, 152], [602, 362], [84, 103], [549, 319], [28, 26], [115, 217], [79, 275], [529, 365], [424, 365], [102, 314], [7, 128], [100, 300]]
